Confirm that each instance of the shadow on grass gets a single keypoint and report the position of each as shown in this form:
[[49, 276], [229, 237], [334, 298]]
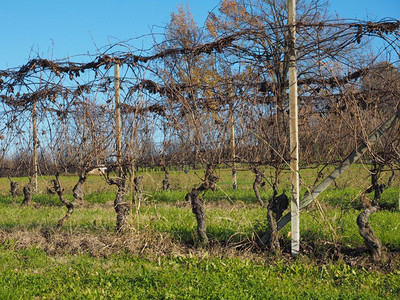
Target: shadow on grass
[[40, 199], [100, 197], [188, 236], [245, 196], [53, 200]]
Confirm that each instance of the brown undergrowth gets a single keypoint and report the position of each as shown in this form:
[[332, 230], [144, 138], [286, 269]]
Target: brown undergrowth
[[153, 245], [323, 252], [147, 244]]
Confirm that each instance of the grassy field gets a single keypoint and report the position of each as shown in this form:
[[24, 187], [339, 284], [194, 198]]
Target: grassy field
[[158, 257]]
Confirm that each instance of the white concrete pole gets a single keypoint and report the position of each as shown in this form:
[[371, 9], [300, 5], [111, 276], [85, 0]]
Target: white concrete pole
[[294, 136]]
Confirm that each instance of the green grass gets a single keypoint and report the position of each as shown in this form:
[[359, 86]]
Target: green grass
[[100, 197], [225, 222], [31, 273], [159, 259], [242, 195]]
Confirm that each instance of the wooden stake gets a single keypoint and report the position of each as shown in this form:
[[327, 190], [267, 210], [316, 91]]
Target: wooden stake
[[233, 146], [294, 136], [117, 119], [35, 146]]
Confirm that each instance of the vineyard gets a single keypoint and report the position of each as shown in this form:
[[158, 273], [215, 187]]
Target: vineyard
[[160, 254], [179, 156]]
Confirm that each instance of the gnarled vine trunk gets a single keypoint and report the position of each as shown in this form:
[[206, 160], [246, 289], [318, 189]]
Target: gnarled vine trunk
[[28, 192], [77, 191], [370, 239], [198, 204], [392, 178], [13, 188], [137, 190], [198, 209], [70, 207], [166, 186], [258, 181], [276, 206], [121, 207]]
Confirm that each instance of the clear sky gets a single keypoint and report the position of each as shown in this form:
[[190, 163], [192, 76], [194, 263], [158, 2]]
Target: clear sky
[[64, 28]]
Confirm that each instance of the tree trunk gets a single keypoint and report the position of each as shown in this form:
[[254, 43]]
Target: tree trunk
[[276, 206], [392, 178], [198, 205], [13, 188], [375, 185], [258, 181], [28, 193], [198, 209], [166, 186], [273, 233], [77, 191], [70, 207], [370, 239], [138, 193], [121, 207]]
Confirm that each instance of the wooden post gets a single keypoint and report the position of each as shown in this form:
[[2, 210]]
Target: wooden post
[[294, 137], [233, 145], [117, 119], [132, 159], [35, 146]]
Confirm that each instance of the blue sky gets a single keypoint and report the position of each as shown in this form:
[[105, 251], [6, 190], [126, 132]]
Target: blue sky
[[64, 28]]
